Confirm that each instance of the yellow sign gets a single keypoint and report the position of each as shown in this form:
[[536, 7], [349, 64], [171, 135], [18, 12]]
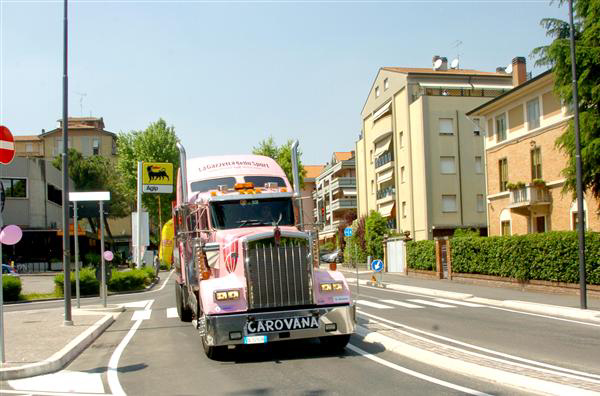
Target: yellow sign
[[157, 177], [165, 251]]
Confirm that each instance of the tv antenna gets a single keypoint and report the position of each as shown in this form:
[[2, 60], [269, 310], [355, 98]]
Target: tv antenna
[[456, 62], [81, 96]]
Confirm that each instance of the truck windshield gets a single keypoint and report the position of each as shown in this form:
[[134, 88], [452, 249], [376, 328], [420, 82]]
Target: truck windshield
[[251, 213]]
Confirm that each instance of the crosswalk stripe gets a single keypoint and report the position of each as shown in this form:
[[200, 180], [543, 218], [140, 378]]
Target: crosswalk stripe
[[401, 304], [466, 304], [171, 312], [372, 304], [433, 304], [141, 314]]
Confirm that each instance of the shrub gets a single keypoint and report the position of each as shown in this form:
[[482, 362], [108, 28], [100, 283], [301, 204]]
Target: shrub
[[550, 256], [420, 255], [11, 287], [88, 284], [375, 230], [327, 246], [150, 274], [135, 279], [465, 233], [92, 259]]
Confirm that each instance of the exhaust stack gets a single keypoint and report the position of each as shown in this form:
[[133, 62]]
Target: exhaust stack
[[183, 171]]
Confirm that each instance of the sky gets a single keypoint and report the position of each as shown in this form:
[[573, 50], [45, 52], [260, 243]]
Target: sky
[[228, 74]]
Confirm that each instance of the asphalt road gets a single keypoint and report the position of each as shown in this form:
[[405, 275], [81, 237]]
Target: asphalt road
[[148, 351]]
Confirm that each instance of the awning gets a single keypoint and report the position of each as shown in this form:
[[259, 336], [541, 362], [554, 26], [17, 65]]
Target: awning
[[384, 109], [385, 176], [349, 192], [382, 146], [386, 209], [446, 85], [491, 86]]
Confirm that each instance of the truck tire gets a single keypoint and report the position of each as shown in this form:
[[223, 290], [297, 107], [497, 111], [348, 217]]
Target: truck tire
[[335, 343], [213, 352], [183, 311]]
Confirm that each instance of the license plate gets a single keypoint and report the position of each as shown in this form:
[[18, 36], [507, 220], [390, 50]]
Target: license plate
[[255, 339], [286, 324]]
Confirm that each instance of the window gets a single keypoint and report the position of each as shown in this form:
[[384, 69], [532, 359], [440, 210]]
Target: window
[[372, 186], [446, 126], [480, 203], [501, 128], [503, 173], [575, 220], [478, 165], [260, 181], [29, 147], [58, 146], [386, 84], [402, 169], [448, 203], [377, 92], [251, 213], [403, 208], [54, 194], [536, 163], [476, 127], [14, 187], [401, 139], [540, 224], [447, 165], [505, 228], [96, 146], [86, 149], [212, 184], [533, 113], [371, 156]]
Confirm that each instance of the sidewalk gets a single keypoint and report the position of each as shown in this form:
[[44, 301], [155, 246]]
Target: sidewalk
[[563, 305]]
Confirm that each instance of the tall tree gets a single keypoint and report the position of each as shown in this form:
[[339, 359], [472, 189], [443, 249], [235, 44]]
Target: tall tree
[[157, 143], [587, 54], [283, 156]]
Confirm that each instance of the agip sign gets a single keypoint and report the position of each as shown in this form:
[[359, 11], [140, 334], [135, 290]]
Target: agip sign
[[157, 177]]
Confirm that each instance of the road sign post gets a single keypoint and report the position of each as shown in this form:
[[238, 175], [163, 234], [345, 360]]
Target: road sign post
[[377, 267]]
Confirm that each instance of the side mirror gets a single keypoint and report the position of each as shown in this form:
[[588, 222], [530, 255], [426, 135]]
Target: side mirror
[[212, 250]]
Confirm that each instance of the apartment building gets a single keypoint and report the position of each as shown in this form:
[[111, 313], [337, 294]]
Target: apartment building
[[418, 157], [523, 165], [335, 195], [31, 146], [308, 203]]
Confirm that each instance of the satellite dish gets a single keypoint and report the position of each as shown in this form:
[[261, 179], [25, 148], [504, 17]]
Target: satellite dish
[[454, 64], [508, 69], [437, 64]]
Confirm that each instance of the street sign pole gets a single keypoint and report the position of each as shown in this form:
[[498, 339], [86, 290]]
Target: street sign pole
[[2, 360], [76, 237], [103, 267], [138, 248]]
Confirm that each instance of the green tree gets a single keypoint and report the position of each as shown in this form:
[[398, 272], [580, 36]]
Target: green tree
[[375, 230], [283, 156], [557, 56], [157, 143]]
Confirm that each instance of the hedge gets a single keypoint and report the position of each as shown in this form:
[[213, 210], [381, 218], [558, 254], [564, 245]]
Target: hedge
[[135, 279], [550, 256], [420, 255], [11, 287], [88, 284]]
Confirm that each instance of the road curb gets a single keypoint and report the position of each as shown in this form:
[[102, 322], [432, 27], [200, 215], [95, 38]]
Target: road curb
[[61, 358], [468, 369]]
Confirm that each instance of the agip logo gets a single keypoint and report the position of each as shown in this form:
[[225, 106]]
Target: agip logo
[[157, 177]]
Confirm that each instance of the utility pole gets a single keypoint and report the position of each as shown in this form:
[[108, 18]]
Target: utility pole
[[579, 187]]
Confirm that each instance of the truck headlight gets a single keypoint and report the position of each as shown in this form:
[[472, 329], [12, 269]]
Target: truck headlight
[[227, 295], [332, 286]]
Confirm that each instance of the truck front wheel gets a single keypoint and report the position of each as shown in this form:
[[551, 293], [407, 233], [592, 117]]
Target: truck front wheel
[[184, 313], [335, 343]]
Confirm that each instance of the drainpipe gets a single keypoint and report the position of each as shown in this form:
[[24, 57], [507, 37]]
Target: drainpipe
[[462, 223], [297, 192]]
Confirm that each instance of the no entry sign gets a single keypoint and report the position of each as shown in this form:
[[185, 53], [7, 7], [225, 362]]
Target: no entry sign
[[7, 145]]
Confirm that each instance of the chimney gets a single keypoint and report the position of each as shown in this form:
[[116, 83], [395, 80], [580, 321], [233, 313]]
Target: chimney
[[519, 72]]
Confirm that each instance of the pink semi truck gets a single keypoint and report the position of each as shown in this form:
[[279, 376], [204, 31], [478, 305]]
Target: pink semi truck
[[245, 272]]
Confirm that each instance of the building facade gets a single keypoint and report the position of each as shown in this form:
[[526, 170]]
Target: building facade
[[335, 195], [523, 165], [308, 203], [418, 157]]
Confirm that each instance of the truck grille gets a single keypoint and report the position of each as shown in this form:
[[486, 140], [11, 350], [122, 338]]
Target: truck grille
[[278, 276]]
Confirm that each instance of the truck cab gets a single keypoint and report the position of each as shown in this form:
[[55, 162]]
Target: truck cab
[[245, 272]]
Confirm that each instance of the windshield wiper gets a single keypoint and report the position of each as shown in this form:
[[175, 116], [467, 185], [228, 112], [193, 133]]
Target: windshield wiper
[[251, 222]]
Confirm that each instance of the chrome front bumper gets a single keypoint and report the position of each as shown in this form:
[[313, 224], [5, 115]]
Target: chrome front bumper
[[218, 328]]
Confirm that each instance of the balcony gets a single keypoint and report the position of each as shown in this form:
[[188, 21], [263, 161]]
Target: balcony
[[529, 196], [386, 192], [383, 159], [343, 203]]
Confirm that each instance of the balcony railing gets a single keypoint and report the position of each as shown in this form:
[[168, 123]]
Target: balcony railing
[[384, 192], [383, 159], [529, 195], [343, 203]]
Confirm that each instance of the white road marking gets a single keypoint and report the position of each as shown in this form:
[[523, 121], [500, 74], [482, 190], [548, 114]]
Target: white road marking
[[136, 304], [166, 280], [401, 304], [433, 304], [395, 326], [414, 373], [466, 304], [373, 304], [141, 315], [112, 375], [64, 381], [171, 312]]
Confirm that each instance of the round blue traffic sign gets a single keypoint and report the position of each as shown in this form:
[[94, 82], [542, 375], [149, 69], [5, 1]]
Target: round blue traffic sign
[[377, 265], [348, 231]]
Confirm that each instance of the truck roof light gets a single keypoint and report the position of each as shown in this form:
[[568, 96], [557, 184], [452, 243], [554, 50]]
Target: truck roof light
[[283, 189], [213, 193], [238, 186], [249, 185]]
